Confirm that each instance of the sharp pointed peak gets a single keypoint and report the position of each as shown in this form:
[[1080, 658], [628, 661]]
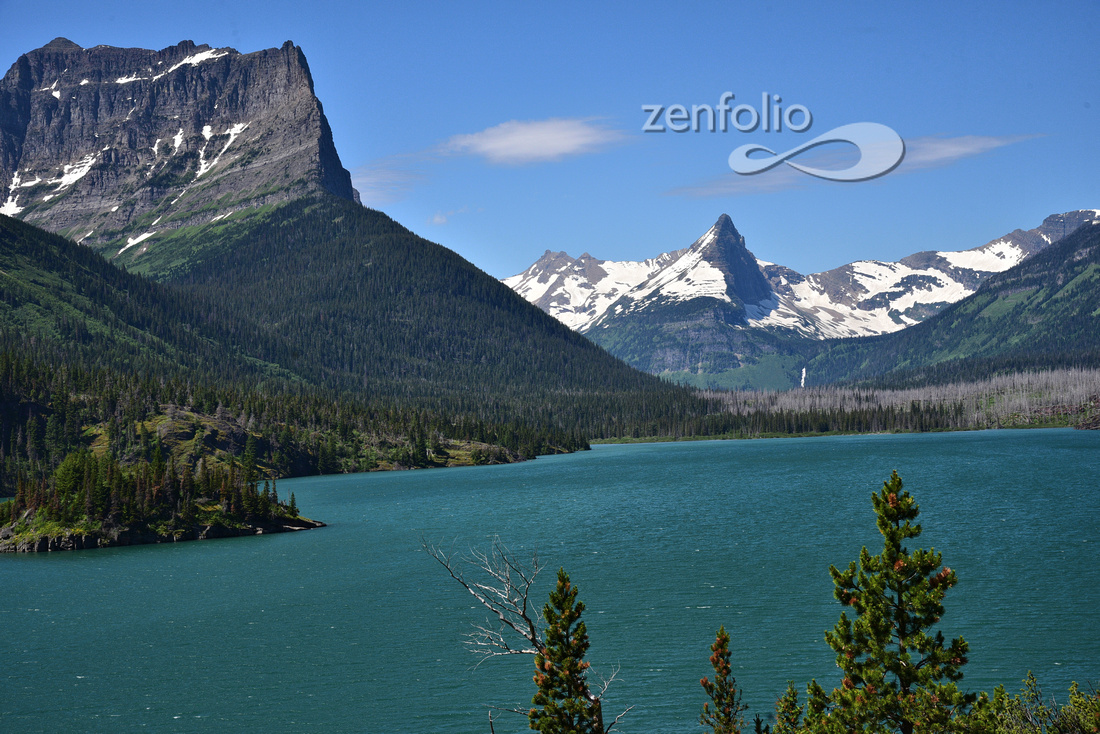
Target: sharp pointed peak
[[61, 44], [725, 224], [722, 231]]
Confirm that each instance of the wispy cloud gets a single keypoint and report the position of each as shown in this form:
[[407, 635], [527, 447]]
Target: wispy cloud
[[516, 142], [441, 217], [931, 152], [387, 180], [920, 153], [532, 141]]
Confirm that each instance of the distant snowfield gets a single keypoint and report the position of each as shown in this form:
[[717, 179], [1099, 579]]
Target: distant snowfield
[[580, 297]]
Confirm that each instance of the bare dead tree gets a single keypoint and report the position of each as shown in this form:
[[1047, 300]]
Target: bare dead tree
[[503, 587], [502, 584], [1013, 399]]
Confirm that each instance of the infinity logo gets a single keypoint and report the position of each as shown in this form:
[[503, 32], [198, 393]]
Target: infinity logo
[[880, 151]]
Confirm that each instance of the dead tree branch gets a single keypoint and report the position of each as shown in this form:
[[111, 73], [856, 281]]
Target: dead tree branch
[[504, 589], [503, 585]]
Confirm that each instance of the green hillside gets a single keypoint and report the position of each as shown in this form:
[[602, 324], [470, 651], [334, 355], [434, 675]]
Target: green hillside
[[70, 299], [95, 358], [322, 332], [366, 305], [1045, 312], [702, 343]]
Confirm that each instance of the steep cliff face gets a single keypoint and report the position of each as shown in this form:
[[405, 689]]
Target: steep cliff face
[[116, 147]]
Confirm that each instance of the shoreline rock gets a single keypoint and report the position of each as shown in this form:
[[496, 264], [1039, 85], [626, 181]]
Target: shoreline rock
[[119, 536]]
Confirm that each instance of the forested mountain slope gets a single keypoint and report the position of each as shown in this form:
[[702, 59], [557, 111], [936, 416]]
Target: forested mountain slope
[[1043, 312]]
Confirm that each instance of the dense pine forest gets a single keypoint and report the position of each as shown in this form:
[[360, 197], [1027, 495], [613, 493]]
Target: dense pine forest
[[154, 435]]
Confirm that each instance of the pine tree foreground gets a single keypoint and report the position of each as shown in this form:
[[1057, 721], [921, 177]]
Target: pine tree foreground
[[565, 703], [897, 676], [725, 717]]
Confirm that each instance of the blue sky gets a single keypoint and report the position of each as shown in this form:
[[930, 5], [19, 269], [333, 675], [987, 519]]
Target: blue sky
[[501, 130]]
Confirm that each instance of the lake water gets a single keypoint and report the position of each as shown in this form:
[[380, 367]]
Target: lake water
[[353, 628]]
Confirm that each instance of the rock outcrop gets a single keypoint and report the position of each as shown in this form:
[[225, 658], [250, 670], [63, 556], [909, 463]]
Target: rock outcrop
[[114, 147], [112, 536]]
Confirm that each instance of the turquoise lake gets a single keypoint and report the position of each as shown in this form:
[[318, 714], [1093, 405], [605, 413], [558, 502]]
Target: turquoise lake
[[353, 628]]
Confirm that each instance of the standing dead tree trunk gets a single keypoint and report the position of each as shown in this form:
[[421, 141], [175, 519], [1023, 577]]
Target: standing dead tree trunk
[[502, 584]]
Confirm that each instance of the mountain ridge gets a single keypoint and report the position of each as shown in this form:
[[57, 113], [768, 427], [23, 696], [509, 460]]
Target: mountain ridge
[[1044, 310], [861, 298], [681, 315]]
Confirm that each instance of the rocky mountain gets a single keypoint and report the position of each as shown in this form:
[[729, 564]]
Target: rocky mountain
[[118, 148], [859, 299], [713, 307], [214, 174], [577, 291], [871, 297]]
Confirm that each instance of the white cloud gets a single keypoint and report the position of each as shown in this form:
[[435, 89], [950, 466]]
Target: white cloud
[[930, 152], [920, 153], [386, 180], [441, 217], [391, 179], [517, 142]]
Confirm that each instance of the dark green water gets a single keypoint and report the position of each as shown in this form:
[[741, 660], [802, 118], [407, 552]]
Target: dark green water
[[352, 628]]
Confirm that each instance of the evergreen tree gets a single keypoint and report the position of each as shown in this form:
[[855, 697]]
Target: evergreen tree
[[565, 703], [787, 712], [248, 461], [894, 670], [725, 717]]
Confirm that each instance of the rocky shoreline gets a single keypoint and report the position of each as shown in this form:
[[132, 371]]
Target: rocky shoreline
[[123, 536]]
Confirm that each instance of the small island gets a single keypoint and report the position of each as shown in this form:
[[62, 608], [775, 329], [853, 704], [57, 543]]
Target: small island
[[95, 502]]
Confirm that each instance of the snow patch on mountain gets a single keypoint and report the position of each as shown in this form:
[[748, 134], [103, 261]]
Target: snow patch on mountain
[[196, 59], [73, 172], [578, 291], [131, 241], [992, 258], [11, 206], [233, 132], [688, 276], [888, 297]]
